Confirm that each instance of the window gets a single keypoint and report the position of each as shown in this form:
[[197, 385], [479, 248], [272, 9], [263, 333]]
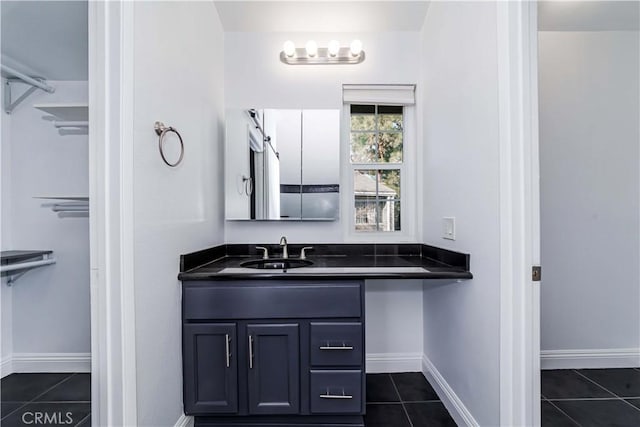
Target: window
[[377, 162]]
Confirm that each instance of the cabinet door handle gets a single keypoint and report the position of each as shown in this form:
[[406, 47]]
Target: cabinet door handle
[[328, 347], [250, 352], [226, 343]]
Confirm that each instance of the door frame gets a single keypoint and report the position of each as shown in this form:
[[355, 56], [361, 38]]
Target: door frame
[[519, 213], [113, 355]]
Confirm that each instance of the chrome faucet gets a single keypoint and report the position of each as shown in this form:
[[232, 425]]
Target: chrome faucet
[[283, 243]]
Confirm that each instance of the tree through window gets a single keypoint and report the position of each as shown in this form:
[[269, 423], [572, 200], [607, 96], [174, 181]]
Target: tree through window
[[376, 154]]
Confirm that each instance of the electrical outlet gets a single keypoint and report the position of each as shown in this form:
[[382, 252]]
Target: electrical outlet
[[449, 228]]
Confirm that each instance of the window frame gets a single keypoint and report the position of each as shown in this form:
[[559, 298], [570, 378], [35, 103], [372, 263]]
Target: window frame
[[408, 180]]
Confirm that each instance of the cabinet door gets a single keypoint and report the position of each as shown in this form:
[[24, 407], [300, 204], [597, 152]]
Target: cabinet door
[[210, 368], [274, 368]]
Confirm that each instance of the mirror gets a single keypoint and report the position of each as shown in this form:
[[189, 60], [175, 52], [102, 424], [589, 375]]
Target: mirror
[[282, 164]]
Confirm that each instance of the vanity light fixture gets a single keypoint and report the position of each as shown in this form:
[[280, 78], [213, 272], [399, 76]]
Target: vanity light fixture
[[311, 54]]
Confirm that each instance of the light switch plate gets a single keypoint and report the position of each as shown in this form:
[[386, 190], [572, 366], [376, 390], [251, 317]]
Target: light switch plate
[[449, 228]]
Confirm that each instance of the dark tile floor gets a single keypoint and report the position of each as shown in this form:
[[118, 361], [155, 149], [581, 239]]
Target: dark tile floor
[[586, 397], [403, 399], [45, 399], [591, 397]]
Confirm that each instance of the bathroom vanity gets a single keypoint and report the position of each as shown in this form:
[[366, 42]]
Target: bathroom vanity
[[285, 346], [255, 348]]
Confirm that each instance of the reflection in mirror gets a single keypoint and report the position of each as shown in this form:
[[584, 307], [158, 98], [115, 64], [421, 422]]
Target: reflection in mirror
[[282, 164]]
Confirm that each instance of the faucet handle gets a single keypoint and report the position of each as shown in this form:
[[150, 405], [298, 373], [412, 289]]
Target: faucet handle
[[265, 254], [302, 254]]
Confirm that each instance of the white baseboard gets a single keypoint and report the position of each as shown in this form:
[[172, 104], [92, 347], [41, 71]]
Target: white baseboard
[[184, 421], [47, 362], [449, 398], [6, 366], [590, 358], [378, 363]]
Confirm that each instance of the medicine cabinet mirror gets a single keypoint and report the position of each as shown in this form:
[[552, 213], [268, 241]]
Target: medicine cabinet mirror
[[282, 164]]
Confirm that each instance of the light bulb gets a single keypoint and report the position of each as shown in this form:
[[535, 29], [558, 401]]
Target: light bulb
[[289, 48], [356, 47], [312, 48], [334, 47]]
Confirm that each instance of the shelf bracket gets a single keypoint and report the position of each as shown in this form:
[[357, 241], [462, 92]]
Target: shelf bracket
[[21, 268], [14, 277], [9, 106], [15, 76]]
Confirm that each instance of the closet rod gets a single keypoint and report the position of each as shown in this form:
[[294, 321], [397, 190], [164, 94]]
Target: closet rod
[[28, 265], [27, 79]]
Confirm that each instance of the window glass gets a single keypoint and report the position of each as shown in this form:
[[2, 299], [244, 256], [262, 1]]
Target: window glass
[[377, 199], [376, 139]]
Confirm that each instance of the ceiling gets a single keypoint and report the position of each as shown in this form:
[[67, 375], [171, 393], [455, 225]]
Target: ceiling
[[50, 38], [322, 16], [588, 15], [46, 38]]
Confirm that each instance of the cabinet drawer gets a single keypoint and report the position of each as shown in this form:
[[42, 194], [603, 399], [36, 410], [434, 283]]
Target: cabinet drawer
[[279, 300], [336, 392], [336, 344]]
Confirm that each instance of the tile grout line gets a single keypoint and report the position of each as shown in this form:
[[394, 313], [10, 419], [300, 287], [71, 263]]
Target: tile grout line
[[37, 396], [564, 413], [404, 408], [405, 401], [48, 390], [84, 419], [423, 401], [19, 407], [604, 388], [564, 399], [630, 404], [592, 381]]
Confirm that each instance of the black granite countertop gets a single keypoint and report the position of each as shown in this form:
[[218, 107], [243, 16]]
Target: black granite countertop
[[330, 261]]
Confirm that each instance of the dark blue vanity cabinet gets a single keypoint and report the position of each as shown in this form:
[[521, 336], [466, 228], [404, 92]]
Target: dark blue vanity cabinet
[[274, 352]]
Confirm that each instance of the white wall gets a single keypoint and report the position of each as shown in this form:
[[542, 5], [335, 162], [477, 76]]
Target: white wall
[[393, 325], [460, 178], [255, 77], [589, 162], [50, 308], [178, 79]]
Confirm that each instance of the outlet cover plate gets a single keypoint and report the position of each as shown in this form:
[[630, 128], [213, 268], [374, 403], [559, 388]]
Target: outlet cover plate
[[449, 228]]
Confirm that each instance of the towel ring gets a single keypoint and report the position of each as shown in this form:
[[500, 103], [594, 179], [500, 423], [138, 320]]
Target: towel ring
[[161, 131], [248, 185]]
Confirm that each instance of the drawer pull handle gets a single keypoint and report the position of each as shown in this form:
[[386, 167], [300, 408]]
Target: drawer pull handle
[[331, 347], [226, 342], [336, 396]]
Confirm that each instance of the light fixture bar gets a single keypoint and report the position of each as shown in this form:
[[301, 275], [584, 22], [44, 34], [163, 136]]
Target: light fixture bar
[[343, 57]]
